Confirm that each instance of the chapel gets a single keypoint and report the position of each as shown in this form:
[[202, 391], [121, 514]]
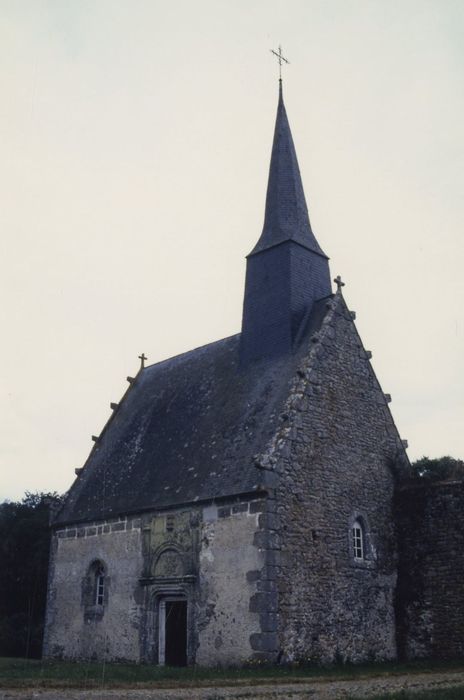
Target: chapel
[[240, 503]]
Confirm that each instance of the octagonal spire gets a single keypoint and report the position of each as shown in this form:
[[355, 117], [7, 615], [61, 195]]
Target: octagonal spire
[[286, 216]]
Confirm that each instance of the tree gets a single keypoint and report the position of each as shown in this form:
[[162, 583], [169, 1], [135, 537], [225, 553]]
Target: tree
[[441, 468], [24, 553]]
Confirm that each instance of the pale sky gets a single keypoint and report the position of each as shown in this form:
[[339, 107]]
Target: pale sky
[[135, 143]]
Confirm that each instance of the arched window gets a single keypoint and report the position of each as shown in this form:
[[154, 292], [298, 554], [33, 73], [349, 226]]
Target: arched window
[[358, 540], [95, 590], [99, 583]]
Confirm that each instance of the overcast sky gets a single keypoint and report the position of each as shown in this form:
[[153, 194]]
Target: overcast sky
[[135, 142]]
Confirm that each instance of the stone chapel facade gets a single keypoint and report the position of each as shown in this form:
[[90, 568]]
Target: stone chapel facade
[[240, 502]]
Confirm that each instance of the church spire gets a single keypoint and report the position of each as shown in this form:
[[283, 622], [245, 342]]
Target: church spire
[[286, 214], [287, 271]]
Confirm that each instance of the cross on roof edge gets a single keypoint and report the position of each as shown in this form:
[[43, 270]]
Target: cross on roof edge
[[338, 281]]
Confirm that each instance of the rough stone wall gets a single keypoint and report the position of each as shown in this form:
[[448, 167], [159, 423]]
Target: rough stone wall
[[73, 629], [207, 555], [229, 561], [431, 570], [332, 461]]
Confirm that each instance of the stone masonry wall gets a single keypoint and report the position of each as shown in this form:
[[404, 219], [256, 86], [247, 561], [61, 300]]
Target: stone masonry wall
[[431, 571], [76, 631], [229, 561], [333, 461], [207, 555]]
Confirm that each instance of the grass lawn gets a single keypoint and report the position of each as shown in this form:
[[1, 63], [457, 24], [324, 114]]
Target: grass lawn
[[33, 673]]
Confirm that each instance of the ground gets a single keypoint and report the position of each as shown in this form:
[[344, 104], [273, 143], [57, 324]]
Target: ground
[[316, 689], [26, 680]]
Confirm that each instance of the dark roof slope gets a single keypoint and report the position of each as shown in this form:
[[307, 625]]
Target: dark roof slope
[[188, 430]]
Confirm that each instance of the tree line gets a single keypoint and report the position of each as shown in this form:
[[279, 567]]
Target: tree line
[[24, 552]]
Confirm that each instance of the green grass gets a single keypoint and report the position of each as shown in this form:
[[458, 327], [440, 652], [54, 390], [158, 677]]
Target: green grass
[[33, 673]]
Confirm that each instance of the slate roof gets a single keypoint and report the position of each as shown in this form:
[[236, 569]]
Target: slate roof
[[187, 430], [286, 216]]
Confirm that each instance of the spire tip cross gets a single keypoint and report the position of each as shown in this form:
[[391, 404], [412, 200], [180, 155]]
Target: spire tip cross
[[142, 359], [280, 59]]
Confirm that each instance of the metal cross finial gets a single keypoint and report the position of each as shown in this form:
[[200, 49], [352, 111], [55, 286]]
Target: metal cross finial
[[339, 283], [142, 359], [281, 58]]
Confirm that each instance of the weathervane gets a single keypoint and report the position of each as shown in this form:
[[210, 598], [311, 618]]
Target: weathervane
[[281, 58]]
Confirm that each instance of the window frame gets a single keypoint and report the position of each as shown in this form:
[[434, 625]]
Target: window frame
[[361, 551], [358, 540], [99, 586], [95, 586]]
